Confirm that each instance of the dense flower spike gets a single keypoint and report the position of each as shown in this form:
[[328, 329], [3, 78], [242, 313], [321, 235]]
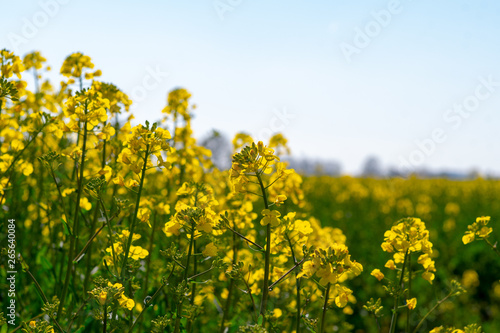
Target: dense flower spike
[[333, 265], [34, 60], [252, 160], [178, 104], [10, 89], [10, 64], [76, 65], [87, 107], [410, 236]]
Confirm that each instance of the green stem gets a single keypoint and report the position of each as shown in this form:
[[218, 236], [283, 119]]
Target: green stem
[[191, 241], [265, 286], [249, 291], [225, 313], [75, 223], [58, 186], [494, 247], [378, 324], [246, 239], [93, 225], [77, 313], [148, 259], [45, 300], [396, 297], [110, 231], [105, 318], [136, 211], [178, 317], [193, 287], [325, 307], [88, 262], [297, 284], [430, 311], [87, 245], [148, 303], [185, 278], [200, 274], [103, 163], [409, 294], [286, 274]]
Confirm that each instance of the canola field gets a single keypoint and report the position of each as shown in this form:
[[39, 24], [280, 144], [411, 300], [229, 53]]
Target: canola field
[[113, 227]]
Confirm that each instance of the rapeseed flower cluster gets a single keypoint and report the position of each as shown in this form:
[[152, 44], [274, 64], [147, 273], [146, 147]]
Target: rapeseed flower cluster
[[409, 236], [479, 229]]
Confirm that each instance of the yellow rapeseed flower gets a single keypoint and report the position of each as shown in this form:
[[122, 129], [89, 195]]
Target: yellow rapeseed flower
[[411, 303], [210, 250], [271, 217], [377, 274]]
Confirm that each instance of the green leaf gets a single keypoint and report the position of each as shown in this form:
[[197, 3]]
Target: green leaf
[[67, 229], [45, 263]]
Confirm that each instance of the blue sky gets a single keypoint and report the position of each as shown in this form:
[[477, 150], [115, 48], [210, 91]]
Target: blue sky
[[412, 82]]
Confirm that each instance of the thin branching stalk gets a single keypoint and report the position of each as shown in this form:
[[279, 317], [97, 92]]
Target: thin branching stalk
[[61, 198], [244, 238], [193, 286], [431, 310], [494, 247], [191, 241], [325, 307], [396, 297], [297, 284], [105, 318], [110, 231], [286, 274], [88, 247], [94, 222], [409, 294], [200, 274], [45, 300], [77, 313], [148, 259], [265, 286], [148, 303], [249, 292], [136, 211], [185, 278], [75, 222], [225, 313]]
